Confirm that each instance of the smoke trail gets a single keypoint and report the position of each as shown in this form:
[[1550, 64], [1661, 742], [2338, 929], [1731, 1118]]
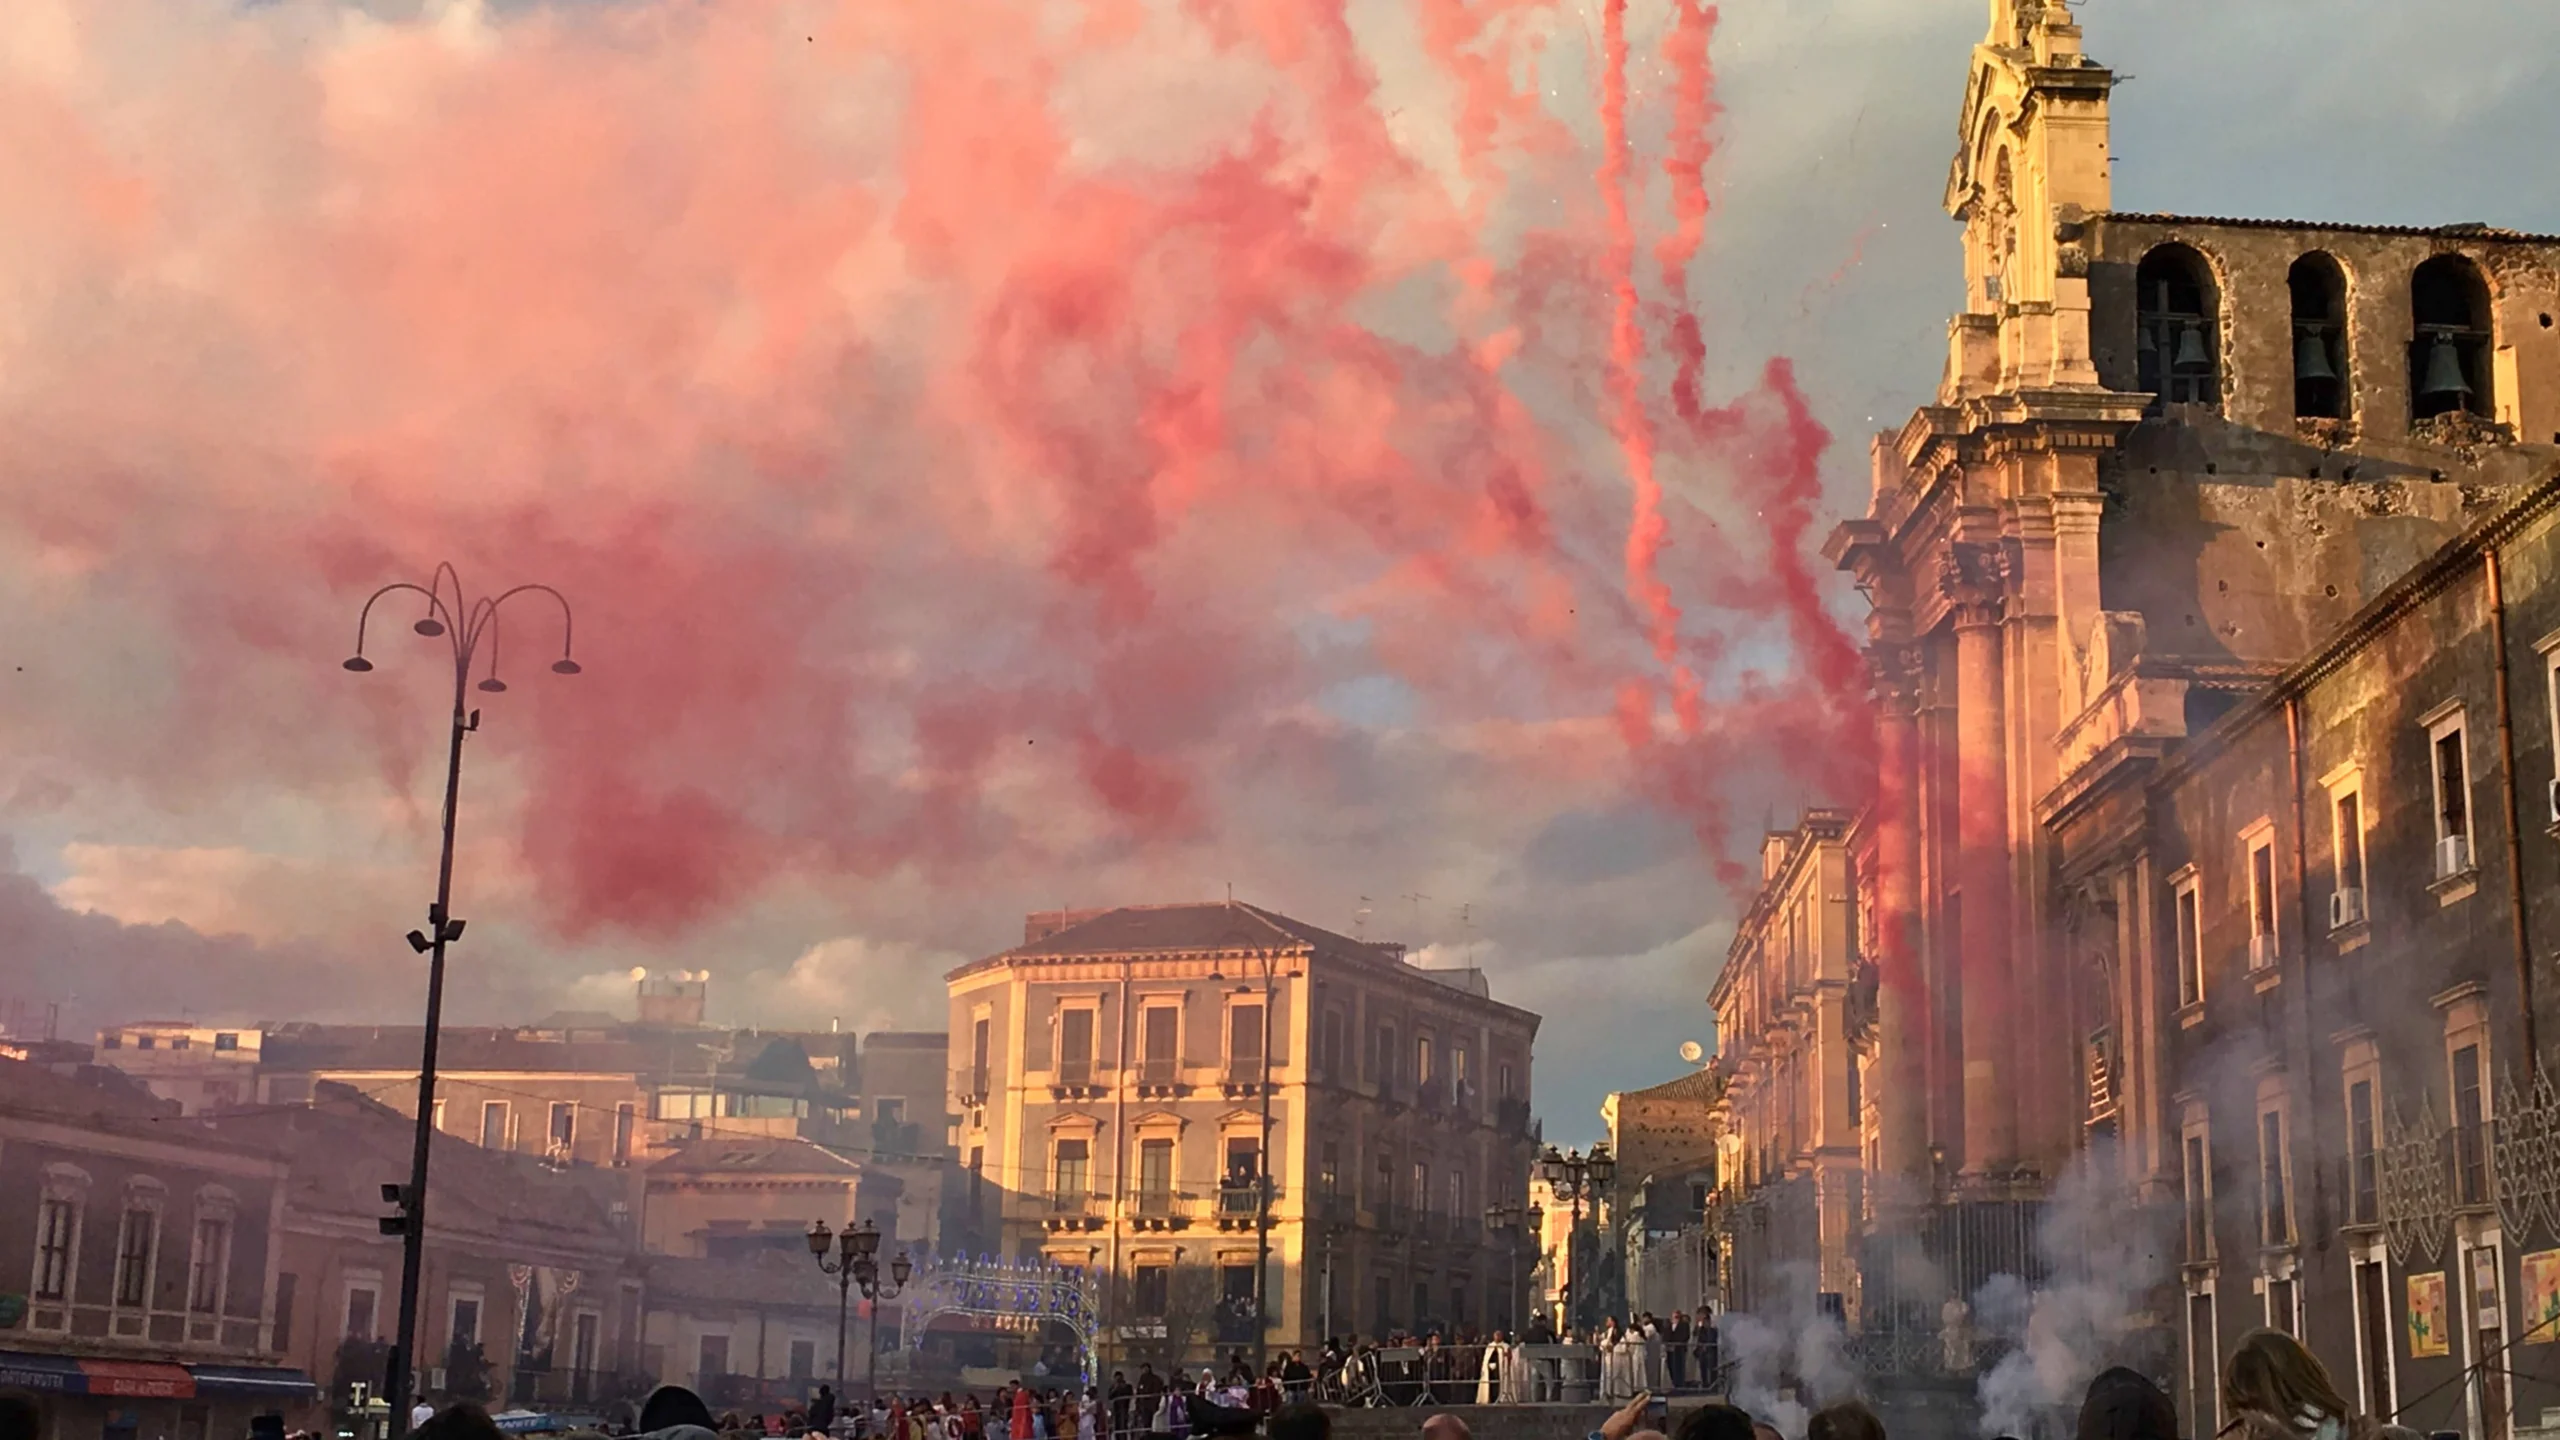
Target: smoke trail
[[1693, 111], [2103, 1255], [1788, 1358], [964, 458]]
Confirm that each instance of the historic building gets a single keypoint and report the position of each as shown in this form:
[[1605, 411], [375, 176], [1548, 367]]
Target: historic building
[[140, 1291], [2198, 547], [1121, 1075], [2318, 919], [1789, 1013]]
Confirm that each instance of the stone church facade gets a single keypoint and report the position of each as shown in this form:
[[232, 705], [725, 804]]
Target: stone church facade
[[2202, 530]]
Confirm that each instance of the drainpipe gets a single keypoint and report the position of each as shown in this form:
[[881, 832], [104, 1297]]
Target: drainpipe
[[1119, 1148], [2515, 827], [2319, 1225]]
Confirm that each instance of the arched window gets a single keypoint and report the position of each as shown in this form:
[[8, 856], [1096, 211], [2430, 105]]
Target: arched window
[[2319, 337], [2177, 352], [2449, 343]]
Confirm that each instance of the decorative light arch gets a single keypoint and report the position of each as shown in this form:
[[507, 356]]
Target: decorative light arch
[[1064, 1294]]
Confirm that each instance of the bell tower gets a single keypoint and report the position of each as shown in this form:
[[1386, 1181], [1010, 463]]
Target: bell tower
[[2030, 167]]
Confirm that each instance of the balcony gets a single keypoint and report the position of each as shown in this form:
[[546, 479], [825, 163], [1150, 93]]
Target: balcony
[[970, 1087], [1389, 1218], [1159, 1210], [1160, 1079], [1074, 1080], [1071, 1209], [1244, 1076], [1239, 1204], [1332, 1207], [1511, 1116]]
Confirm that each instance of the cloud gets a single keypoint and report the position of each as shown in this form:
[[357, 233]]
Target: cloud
[[1168, 450]]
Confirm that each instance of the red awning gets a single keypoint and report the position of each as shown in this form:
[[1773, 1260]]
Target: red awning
[[143, 1379]]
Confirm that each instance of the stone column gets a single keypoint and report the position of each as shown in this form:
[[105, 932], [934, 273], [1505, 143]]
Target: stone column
[[1982, 840], [1902, 997]]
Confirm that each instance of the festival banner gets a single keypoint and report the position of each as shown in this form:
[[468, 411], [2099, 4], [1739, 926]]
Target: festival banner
[[2541, 1297]]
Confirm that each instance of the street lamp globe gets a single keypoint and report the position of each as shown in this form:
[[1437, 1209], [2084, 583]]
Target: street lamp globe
[[820, 1240], [901, 1268]]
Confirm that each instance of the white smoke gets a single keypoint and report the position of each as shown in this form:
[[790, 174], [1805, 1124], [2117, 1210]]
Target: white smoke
[[2103, 1256], [1787, 1357]]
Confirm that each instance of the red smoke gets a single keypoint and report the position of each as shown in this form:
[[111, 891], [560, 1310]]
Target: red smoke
[[957, 451]]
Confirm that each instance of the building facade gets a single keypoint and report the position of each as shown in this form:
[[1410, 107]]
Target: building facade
[[140, 1295], [2327, 902], [2151, 608], [200, 1067], [1791, 1012], [1121, 1077], [1667, 1140]]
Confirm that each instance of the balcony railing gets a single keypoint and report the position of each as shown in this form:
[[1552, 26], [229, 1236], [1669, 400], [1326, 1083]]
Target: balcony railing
[[1245, 1070], [1075, 1203], [1159, 1072], [1160, 1209], [1389, 1217], [972, 1085], [1077, 1072]]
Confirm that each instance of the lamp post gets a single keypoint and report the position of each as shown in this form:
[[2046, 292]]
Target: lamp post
[[1262, 1179], [1576, 1177], [465, 625], [1512, 1222], [856, 1263]]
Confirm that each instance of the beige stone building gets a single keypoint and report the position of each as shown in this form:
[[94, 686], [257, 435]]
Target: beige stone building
[[1119, 1077], [1788, 1006]]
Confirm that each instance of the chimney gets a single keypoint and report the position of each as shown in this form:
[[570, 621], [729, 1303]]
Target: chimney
[[676, 998], [1773, 854]]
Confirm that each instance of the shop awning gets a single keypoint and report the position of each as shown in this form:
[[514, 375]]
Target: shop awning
[[86, 1375], [142, 1379], [26, 1370], [252, 1380]]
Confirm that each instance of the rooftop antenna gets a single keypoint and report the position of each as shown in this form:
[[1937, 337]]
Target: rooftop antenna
[[1417, 897], [1467, 927]]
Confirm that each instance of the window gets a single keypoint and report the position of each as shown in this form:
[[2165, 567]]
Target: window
[[626, 1122], [134, 1250], [1421, 1186], [1502, 1080], [1422, 1066], [465, 1325], [2276, 1213], [1329, 1168], [2470, 1153], [889, 1110], [213, 1254], [2452, 773], [1150, 1290], [2346, 838], [226, 1040], [1161, 1031], [286, 1283], [56, 1224], [564, 1126], [1330, 1047], [804, 1362], [2319, 290], [2190, 943], [981, 1055], [1155, 1167], [146, 1042], [180, 1042], [1460, 1077], [2199, 1198], [361, 1300], [2364, 1157], [977, 1178], [2175, 349], [2262, 900], [2282, 1313], [714, 1357], [1457, 1194], [1385, 1069], [111, 1042], [2373, 1307], [493, 1124], [2449, 340], [1243, 1160], [1073, 1169], [1244, 1040], [1075, 1047]]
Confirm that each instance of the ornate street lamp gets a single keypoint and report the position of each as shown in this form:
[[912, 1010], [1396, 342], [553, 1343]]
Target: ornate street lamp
[[1514, 1222], [1576, 1177], [856, 1263], [469, 629]]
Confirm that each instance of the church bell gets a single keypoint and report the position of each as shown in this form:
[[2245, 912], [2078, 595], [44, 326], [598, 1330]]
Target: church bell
[[2191, 353], [2444, 371], [2311, 357]]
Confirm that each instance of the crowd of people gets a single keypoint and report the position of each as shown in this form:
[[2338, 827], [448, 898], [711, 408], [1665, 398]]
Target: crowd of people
[[2272, 1389]]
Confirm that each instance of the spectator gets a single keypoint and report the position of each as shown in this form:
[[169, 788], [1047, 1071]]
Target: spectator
[[1851, 1420], [461, 1420], [1715, 1422], [1445, 1427], [2276, 1390], [1299, 1420], [2123, 1405]]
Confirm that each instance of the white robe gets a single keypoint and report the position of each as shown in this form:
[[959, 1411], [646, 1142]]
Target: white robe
[[1489, 1383]]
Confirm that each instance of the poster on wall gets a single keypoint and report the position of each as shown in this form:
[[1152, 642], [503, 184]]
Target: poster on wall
[[2541, 1297], [2427, 1336]]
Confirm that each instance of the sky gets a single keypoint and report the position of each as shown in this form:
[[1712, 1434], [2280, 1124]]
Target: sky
[[1010, 454]]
